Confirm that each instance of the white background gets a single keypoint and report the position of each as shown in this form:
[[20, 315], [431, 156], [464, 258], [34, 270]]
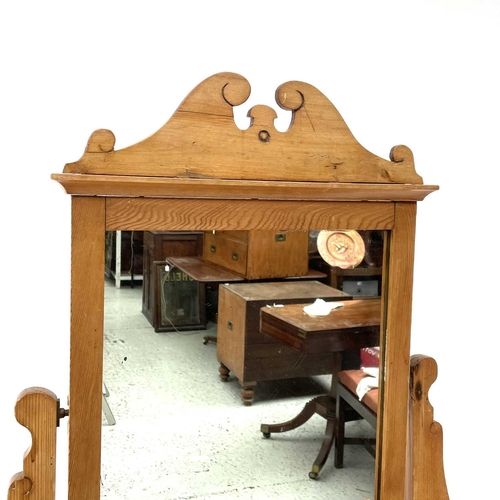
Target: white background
[[423, 74]]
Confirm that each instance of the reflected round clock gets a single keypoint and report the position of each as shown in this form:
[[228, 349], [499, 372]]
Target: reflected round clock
[[344, 249]]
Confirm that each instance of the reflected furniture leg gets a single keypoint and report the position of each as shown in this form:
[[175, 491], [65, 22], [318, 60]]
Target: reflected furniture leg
[[105, 406], [224, 372], [325, 406], [209, 338], [321, 405], [331, 427], [247, 388], [347, 400], [247, 392]]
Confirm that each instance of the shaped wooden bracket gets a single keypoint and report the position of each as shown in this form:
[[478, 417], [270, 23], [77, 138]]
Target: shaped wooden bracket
[[428, 481], [37, 410], [201, 141]]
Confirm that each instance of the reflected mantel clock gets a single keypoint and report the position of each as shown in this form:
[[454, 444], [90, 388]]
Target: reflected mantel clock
[[201, 172]]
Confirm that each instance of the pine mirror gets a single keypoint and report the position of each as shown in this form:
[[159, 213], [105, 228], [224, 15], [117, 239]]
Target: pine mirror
[[200, 173]]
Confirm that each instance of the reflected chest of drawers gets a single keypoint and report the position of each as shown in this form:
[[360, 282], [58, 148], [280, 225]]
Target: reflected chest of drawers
[[256, 255], [253, 356]]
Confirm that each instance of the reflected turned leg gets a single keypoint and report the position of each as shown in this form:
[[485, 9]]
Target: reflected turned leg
[[224, 372], [247, 392]]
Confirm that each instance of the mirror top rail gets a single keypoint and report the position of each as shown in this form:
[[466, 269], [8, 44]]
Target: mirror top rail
[[201, 153], [121, 185]]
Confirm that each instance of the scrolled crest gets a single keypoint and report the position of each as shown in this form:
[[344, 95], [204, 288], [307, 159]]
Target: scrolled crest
[[236, 91], [201, 140], [289, 97], [101, 141], [401, 154]]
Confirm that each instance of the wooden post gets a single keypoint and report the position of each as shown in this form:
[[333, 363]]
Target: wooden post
[[428, 481], [395, 350], [36, 409], [85, 372]]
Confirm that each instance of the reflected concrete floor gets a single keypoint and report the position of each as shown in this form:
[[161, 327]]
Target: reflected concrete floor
[[181, 433]]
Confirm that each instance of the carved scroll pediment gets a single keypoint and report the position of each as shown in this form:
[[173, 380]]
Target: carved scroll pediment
[[201, 140]]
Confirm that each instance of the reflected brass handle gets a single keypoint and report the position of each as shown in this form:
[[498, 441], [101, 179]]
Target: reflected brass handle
[[213, 248], [230, 325]]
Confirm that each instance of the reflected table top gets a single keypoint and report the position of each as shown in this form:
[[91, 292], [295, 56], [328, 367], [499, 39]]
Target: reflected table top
[[353, 326], [207, 272]]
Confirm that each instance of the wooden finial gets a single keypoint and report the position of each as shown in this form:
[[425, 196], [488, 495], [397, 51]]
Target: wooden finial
[[428, 481], [36, 409]]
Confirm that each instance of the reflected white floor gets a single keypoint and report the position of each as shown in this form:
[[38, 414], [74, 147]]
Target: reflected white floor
[[181, 433]]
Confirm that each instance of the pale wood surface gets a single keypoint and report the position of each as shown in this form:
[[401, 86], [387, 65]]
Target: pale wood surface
[[116, 185], [395, 350], [427, 435], [150, 214], [36, 409], [257, 254], [86, 347], [201, 172], [270, 263], [201, 140]]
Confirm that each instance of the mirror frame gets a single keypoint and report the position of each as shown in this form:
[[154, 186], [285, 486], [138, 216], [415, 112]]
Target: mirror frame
[[200, 172]]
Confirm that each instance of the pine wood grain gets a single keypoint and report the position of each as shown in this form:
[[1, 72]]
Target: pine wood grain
[[116, 185], [36, 409], [86, 347], [428, 481], [201, 140], [150, 214], [395, 351], [200, 172]]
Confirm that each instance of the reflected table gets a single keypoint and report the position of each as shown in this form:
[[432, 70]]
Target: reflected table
[[346, 329], [209, 273]]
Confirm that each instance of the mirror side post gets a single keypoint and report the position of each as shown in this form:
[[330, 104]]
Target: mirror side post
[[395, 351], [86, 346]]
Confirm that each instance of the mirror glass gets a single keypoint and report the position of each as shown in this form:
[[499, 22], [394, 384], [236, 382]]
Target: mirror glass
[[190, 376]]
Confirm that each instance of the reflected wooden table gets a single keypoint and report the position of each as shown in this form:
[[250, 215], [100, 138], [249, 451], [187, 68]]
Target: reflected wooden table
[[351, 327], [209, 273]]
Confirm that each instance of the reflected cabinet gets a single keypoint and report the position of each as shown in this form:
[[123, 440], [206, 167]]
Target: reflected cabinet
[[200, 172], [171, 300]]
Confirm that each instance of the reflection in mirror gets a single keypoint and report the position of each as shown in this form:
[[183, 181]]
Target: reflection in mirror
[[207, 347]]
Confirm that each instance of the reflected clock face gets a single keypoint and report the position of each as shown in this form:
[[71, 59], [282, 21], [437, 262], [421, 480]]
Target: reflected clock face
[[344, 249]]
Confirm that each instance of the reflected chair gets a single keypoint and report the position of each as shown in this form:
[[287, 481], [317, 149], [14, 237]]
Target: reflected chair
[[347, 399]]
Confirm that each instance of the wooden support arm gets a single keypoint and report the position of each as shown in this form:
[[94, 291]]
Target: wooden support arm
[[37, 410], [426, 446]]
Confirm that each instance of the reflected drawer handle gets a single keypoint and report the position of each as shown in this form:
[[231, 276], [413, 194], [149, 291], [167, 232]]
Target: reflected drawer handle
[[280, 237], [213, 248], [235, 256], [230, 325]]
